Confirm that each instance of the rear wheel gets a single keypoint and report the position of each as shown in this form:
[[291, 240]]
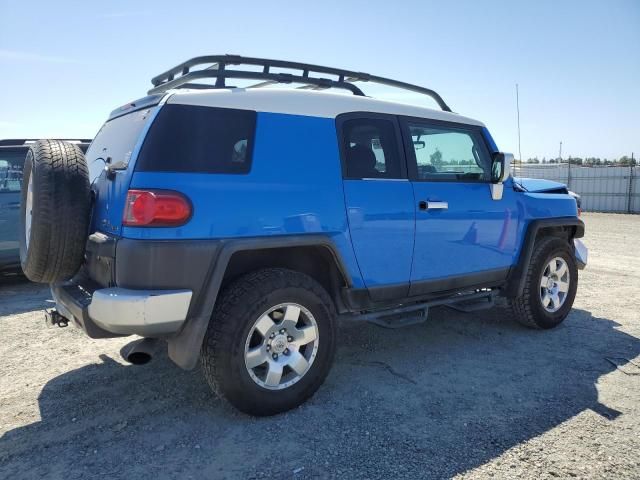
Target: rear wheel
[[550, 285], [271, 341], [55, 206]]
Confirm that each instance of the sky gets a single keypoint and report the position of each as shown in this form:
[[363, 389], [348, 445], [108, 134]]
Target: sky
[[64, 65]]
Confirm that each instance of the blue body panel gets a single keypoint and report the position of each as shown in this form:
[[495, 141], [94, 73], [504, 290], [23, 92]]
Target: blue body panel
[[291, 189], [382, 223], [538, 184], [474, 234], [490, 141], [111, 194]]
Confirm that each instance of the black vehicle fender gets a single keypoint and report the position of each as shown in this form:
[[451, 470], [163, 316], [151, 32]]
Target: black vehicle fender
[[184, 347], [516, 276]]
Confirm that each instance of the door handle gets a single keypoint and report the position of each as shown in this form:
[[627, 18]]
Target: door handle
[[433, 205]]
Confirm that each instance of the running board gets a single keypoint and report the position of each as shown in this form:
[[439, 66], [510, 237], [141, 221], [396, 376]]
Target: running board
[[418, 312], [468, 306], [401, 319]]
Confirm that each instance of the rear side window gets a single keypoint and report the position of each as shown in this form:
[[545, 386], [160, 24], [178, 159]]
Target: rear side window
[[371, 149], [187, 138]]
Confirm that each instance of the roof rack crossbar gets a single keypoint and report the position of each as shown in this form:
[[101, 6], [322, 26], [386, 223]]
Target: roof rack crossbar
[[183, 75], [221, 76]]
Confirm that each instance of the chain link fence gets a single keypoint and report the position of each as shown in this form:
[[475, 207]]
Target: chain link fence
[[603, 189]]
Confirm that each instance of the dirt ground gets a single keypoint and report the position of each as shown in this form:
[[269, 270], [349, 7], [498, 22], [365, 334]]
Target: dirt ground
[[468, 395]]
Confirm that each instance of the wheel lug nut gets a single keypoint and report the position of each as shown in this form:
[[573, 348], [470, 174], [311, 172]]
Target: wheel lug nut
[[275, 356], [268, 347], [286, 351], [272, 335], [282, 330], [289, 339]]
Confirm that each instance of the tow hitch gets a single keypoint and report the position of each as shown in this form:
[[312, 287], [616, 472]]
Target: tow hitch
[[52, 317]]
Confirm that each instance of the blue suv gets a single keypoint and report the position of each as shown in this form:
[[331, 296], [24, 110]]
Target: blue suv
[[238, 224]]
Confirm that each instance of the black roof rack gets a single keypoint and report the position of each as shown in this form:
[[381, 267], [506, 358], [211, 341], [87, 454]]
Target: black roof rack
[[181, 76]]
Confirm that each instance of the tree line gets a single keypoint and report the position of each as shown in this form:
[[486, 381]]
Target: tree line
[[623, 161]]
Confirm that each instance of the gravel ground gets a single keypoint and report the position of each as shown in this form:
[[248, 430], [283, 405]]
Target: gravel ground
[[468, 395]]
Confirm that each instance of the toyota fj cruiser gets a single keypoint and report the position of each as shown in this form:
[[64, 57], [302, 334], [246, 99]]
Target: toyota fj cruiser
[[236, 224]]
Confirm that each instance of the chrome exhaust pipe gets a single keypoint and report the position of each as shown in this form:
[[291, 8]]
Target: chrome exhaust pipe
[[140, 351]]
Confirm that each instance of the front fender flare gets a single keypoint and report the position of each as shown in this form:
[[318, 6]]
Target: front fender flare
[[517, 274]]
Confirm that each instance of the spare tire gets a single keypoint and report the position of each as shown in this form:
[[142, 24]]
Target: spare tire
[[54, 211]]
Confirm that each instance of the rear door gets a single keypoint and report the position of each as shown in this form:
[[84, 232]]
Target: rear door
[[379, 201], [463, 236], [11, 164], [117, 145]]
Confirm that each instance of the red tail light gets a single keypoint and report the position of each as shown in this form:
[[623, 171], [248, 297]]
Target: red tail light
[[156, 208]]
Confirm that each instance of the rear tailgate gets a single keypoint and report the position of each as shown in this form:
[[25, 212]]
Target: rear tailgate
[[117, 143]]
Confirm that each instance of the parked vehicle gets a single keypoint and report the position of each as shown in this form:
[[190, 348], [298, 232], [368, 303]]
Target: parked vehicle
[[12, 155], [237, 223]]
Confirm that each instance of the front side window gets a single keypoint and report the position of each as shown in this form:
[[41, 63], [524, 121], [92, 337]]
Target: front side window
[[449, 154], [11, 164], [371, 149]]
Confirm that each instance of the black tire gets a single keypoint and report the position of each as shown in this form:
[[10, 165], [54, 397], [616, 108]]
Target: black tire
[[237, 308], [528, 309], [60, 209]]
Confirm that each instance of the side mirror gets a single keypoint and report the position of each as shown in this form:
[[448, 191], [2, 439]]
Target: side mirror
[[500, 171], [501, 167]]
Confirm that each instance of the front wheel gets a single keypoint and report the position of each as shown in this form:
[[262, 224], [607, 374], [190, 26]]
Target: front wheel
[[550, 285], [271, 341]]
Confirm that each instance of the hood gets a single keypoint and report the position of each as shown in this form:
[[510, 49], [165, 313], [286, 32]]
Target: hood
[[540, 185]]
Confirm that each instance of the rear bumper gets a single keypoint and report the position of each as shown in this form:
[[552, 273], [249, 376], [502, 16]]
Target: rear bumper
[[142, 287], [110, 312]]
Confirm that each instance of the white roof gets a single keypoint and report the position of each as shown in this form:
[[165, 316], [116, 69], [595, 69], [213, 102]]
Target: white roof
[[305, 102]]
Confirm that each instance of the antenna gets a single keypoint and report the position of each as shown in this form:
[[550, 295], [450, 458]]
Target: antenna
[[518, 110]]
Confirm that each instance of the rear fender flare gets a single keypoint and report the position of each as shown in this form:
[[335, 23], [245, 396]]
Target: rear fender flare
[[184, 347]]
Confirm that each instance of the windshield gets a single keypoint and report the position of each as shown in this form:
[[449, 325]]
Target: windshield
[[11, 163]]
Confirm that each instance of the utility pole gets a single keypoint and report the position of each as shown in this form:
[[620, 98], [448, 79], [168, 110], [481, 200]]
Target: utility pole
[[518, 110]]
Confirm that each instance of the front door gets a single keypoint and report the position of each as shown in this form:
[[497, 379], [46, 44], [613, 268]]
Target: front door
[[380, 203], [464, 238]]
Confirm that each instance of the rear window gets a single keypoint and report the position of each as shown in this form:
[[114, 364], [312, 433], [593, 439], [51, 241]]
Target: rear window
[[188, 138], [116, 140]]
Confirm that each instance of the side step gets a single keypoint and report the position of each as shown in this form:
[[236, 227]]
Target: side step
[[474, 305], [400, 319], [418, 312]]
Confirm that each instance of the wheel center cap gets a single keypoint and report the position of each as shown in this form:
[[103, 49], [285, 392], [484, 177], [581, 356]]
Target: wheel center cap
[[550, 283], [279, 343]]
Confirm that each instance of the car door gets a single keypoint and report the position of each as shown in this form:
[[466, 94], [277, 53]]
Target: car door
[[11, 163], [463, 237], [379, 202]]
